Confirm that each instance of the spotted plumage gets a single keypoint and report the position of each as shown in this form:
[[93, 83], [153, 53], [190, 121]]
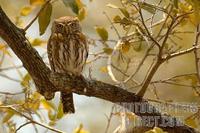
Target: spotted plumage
[[67, 52]]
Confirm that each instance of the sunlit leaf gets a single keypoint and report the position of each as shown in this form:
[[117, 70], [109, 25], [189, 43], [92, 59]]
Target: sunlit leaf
[[112, 6], [81, 14], [80, 129], [104, 69], [107, 50], [4, 49], [191, 122], [44, 18], [26, 10], [48, 105], [37, 2], [156, 130], [79, 4], [37, 42], [102, 32]]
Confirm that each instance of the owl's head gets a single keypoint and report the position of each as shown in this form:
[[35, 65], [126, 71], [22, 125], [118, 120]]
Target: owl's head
[[66, 25]]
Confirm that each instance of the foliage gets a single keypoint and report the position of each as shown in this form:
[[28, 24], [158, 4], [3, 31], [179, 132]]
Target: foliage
[[140, 35]]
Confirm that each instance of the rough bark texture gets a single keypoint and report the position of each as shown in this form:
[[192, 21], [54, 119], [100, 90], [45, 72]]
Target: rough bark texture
[[48, 83]]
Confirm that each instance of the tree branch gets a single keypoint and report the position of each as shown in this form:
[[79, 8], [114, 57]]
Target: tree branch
[[48, 83]]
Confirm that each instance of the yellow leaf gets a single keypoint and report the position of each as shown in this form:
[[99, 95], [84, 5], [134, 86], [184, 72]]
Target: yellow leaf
[[81, 14], [80, 129], [102, 32], [156, 130], [191, 122], [44, 18], [79, 4], [8, 116], [104, 69], [26, 10], [4, 49], [37, 2], [108, 50], [37, 42], [26, 80], [48, 105]]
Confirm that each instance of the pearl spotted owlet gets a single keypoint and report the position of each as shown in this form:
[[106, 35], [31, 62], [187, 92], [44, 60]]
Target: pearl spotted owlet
[[67, 52]]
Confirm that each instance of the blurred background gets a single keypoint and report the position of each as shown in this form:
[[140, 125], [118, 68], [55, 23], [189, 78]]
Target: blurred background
[[93, 112]]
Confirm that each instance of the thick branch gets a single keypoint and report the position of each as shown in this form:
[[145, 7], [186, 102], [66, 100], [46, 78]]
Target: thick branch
[[30, 58], [47, 83]]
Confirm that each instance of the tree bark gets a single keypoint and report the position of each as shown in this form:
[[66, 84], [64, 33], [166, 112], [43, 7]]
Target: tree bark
[[48, 83]]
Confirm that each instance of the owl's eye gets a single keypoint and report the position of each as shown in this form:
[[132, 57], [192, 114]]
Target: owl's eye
[[73, 25], [60, 26]]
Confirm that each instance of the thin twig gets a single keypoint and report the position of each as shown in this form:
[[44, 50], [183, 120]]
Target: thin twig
[[196, 52], [21, 126], [31, 120], [116, 31], [33, 20], [183, 52], [10, 78]]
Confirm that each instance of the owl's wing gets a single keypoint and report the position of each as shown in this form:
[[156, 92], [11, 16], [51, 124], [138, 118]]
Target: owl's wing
[[50, 54], [84, 41]]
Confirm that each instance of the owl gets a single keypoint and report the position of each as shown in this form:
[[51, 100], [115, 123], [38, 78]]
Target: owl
[[67, 51]]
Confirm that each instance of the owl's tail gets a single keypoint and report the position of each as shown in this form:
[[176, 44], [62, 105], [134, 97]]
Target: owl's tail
[[67, 101]]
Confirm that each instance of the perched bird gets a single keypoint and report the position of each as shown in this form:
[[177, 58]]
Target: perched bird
[[67, 52]]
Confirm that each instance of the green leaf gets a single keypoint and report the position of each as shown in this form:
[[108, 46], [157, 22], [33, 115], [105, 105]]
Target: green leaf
[[102, 32], [176, 3], [60, 112], [108, 50], [72, 4], [51, 116], [44, 18], [117, 19]]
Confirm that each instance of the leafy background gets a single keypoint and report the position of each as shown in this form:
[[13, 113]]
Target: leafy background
[[90, 112]]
